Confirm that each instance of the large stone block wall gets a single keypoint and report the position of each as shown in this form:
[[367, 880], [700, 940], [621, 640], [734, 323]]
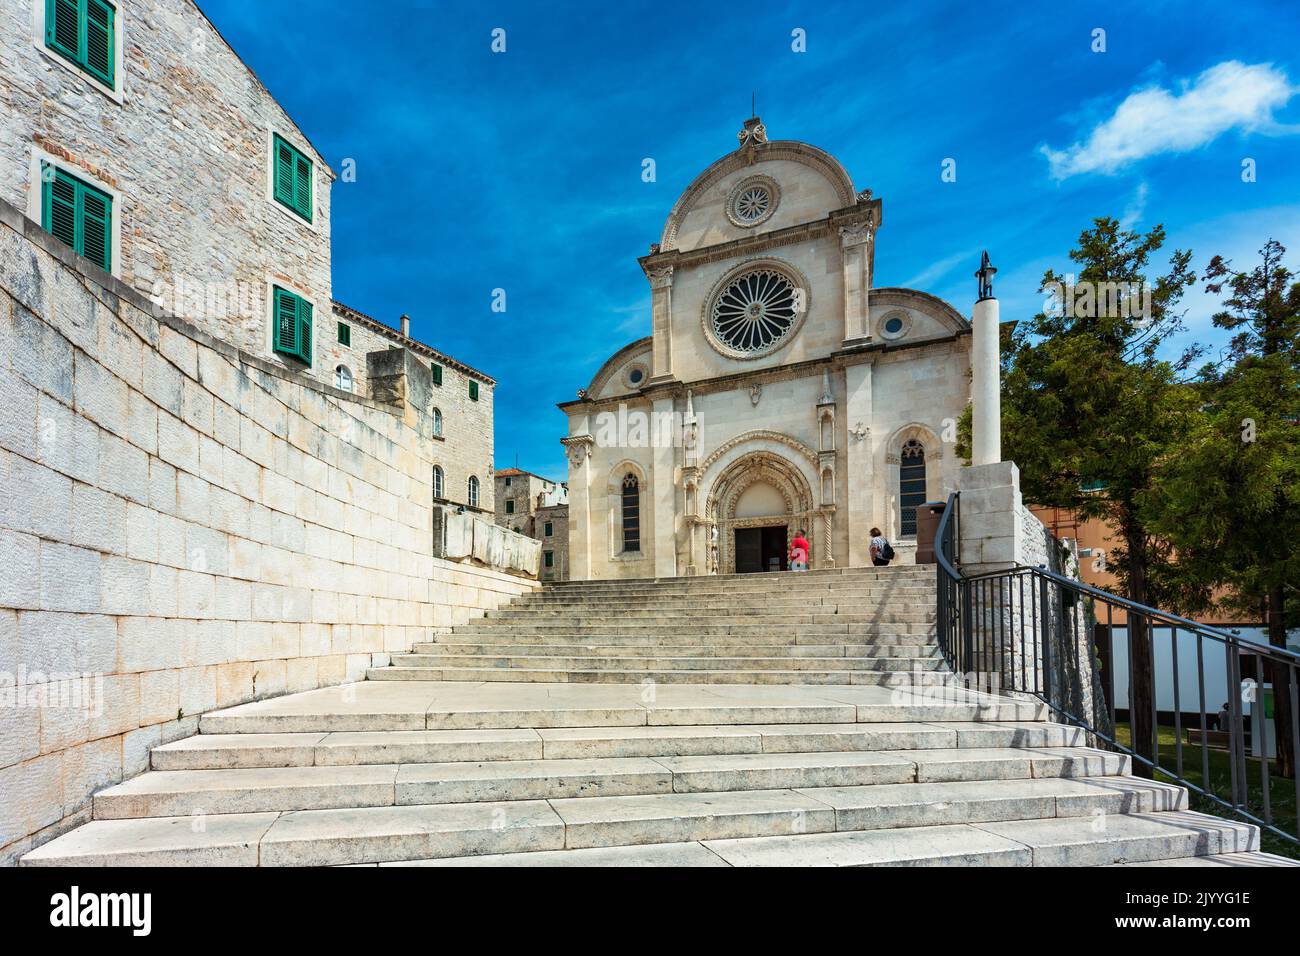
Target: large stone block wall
[[187, 525], [186, 151]]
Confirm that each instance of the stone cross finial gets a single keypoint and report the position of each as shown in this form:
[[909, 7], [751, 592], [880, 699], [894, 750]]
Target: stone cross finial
[[752, 132]]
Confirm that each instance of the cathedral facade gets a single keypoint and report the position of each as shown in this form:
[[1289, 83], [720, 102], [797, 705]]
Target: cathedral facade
[[779, 390]]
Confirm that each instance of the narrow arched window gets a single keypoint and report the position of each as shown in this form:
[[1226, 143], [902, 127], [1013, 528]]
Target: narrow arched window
[[631, 514], [437, 481], [911, 485], [343, 378], [473, 492], [437, 423]]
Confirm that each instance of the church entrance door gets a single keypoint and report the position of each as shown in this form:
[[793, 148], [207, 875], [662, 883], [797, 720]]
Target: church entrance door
[[761, 549]]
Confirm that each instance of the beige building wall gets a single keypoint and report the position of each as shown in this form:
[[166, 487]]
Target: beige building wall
[[184, 527]]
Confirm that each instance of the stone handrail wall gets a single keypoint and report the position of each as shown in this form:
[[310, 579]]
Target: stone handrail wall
[[183, 526], [464, 536]]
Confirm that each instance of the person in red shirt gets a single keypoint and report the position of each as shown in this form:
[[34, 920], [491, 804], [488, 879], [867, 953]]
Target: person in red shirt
[[799, 552]]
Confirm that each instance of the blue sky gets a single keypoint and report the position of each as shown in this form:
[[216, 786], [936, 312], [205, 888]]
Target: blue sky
[[522, 170]]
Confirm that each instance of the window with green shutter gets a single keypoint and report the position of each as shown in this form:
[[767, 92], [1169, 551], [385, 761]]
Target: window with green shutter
[[550, 558], [293, 176], [510, 507], [77, 213], [437, 374], [292, 314], [345, 335], [473, 390], [82, 31], [548, 530]]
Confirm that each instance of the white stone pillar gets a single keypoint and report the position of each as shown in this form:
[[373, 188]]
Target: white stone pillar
[[986, 395], [860, 477], [663, 498]]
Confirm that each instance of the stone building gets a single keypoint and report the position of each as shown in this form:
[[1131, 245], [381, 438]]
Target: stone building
[[537, 507], [193, 512], [779, 389], [139, 137]]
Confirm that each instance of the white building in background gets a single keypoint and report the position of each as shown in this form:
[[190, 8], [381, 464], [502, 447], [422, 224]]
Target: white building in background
[[779, 390]]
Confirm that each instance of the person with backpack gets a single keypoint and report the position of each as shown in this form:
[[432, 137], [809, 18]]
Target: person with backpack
[[881, 550]]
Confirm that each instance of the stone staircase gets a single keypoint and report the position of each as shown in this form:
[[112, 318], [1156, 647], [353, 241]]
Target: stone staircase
[[544, 735], [854, 626]]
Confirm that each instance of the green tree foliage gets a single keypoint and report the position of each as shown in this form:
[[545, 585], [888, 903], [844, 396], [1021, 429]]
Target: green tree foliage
[[1229, 499], [1089, 411]]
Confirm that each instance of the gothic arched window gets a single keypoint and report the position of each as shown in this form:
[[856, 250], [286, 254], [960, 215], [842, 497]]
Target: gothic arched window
[[437, 423], [473, 492], [437, 481], [343, 378], [631, 513], [911, 485]]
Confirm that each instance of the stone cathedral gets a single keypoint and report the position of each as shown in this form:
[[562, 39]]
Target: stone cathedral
[[801, 396]]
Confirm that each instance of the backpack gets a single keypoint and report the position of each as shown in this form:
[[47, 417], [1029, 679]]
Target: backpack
[[887, 552]]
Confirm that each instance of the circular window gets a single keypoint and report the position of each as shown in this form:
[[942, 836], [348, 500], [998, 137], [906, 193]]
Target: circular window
[[755, 311], [753, 201], [895, 325], [634, 376]]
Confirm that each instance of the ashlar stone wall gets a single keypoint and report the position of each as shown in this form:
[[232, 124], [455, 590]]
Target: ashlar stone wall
[[183, 526]]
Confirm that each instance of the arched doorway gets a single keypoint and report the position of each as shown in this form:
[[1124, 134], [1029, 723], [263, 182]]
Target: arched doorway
[[757, 505]]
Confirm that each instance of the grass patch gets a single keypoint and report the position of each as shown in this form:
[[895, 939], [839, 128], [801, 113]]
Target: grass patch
[[1281, 791]]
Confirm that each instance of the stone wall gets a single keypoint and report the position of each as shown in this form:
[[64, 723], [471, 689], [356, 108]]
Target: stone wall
[[184, 527]]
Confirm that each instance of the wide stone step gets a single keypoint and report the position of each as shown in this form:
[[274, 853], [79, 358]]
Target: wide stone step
[[453, 646], [1056, 819], [757, 630], [241, 751], [427, 705], [462, 672], [713, 618], [666, 662], [1142, 836], [680, 639], [776, 598], [173, 793]]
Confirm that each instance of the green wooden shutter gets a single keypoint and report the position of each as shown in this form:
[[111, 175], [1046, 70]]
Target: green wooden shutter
[[59, 215], [293, 178], [78, 214], [473, 390], [63, 28], [286, 322], [437, 374], [345, 334], [96, 227], [302, 186], [99, 40], [284, 172], [304, 330]]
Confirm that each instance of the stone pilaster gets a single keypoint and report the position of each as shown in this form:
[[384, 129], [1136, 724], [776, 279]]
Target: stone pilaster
[[858, 462], [661, 312], [855, 247], [578, 447], [663, 499]]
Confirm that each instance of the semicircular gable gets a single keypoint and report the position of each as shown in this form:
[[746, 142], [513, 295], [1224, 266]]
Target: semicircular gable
[[618, 360], [753, 158], [922, 302]]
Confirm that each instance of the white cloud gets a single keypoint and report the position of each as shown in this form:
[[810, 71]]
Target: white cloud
[[1231, 95], [1136, 207]]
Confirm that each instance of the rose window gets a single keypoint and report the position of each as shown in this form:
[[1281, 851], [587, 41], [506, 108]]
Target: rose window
[[753, 203], [755, 311]]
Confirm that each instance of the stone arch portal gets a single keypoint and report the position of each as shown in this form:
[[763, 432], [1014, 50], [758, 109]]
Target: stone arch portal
[[798, 508]]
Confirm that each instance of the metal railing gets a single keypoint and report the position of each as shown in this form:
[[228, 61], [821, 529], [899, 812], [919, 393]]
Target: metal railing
[[1032, 631]]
